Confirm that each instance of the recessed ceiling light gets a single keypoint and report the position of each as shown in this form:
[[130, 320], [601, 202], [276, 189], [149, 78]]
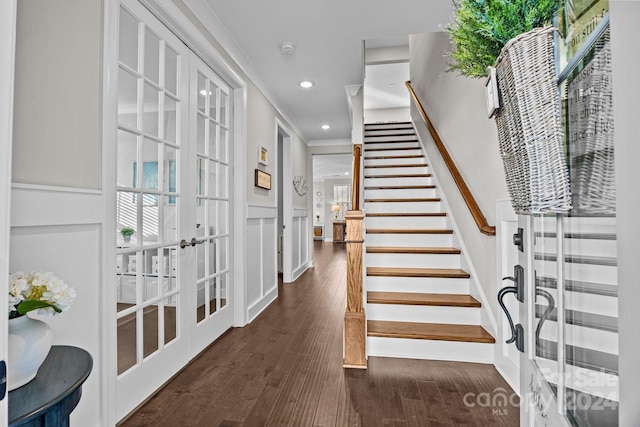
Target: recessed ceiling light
[[306, 84], [346, 173], [325, 127]]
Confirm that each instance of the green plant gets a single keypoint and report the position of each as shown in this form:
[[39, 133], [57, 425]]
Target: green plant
[[482, 27], [127, 231]]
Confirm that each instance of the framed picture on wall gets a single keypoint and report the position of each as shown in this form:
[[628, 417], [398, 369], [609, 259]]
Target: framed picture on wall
[[263, 156]]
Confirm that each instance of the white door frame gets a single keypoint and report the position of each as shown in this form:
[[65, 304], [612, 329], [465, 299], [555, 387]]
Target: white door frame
[[287, 200], [7, 63]]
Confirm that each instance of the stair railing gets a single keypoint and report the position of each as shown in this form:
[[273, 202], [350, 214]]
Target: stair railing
[[355, 321], [476, 213]]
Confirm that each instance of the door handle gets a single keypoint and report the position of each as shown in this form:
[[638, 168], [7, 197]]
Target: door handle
[[184, 244], [195, 241], [550, 306], [517, 331]]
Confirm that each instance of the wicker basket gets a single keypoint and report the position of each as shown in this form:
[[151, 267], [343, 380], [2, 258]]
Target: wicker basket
[[529, 125], [591, 149]]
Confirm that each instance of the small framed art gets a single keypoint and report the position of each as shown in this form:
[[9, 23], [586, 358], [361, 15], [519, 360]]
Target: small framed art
[[263, 156], [262, 180]]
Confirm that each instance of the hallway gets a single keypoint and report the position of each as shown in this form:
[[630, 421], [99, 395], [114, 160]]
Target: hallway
[[285, 368]]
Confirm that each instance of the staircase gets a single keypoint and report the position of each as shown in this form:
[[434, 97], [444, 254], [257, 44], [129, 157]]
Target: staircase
[[418, 297]]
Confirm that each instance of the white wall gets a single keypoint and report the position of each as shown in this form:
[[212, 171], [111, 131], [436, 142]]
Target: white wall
[[626, 92], [385, 55], [57, 110], [387, 115], [456, 106]]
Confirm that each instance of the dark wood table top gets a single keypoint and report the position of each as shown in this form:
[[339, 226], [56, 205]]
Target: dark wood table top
[[61, 375]]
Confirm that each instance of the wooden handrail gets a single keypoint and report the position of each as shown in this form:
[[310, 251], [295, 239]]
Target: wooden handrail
[[476, 213], [355, 188]]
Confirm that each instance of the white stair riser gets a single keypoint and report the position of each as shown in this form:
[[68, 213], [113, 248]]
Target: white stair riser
[[413, 260], [430, 349], [390, 138], [386, 125], [395, 131], [589, 247], [399, 144], [377, 182], [396, 171], [603, 274], [406, 222], [588, 381], [432, 285], [407, 207], [410, 240], [424, 314], [373, 152], [400, 193], [579, 336], [587, 303], [400, 161]]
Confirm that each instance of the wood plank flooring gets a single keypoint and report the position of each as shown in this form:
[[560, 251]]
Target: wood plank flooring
[[285, 369]]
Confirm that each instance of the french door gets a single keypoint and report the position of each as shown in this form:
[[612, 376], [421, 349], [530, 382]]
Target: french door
[[569, 368], [173, 281]]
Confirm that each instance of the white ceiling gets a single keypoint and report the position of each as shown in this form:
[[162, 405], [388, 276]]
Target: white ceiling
[[331, 166], [328, 36]]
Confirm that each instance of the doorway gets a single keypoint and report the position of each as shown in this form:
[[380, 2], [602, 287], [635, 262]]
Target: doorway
[[331, 188], [285, 201]]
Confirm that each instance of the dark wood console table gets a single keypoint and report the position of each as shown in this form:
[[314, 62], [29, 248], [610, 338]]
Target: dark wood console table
[[48, 400]]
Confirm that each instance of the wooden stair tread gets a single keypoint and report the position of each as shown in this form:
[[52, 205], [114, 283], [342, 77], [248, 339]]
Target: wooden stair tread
[[401, 187], [455, 273], [410, 298], [411, 250], [410, 165], [404, 214], [409, 231], [417, 199], [429, 331], [409, 175], [412, 156]]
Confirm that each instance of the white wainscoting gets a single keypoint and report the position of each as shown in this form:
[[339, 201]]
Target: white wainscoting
[[61, 230], [300, 242], [261, 273]]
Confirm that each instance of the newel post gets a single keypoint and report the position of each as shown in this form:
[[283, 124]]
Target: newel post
[[355, 322]]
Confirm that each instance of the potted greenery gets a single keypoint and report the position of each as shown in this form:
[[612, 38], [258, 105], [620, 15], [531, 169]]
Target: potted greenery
[[481, 29], [510, 36], [127, 232]]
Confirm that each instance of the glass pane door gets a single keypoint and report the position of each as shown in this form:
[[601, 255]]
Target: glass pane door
[[150, 202], [210, 311]]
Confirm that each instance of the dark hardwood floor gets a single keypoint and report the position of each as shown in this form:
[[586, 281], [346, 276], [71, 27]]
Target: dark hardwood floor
[[285, 369]]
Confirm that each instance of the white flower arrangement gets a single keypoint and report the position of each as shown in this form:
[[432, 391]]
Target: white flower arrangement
[[40, 291]]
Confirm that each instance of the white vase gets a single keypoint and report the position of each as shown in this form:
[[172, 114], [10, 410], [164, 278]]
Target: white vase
[[29, 343]]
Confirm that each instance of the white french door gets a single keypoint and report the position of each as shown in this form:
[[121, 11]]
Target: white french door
[[152, 199], [569, 369], [173, 280], [210, 307]]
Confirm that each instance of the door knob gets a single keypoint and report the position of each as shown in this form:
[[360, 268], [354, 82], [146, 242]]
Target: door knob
[[184, 244]]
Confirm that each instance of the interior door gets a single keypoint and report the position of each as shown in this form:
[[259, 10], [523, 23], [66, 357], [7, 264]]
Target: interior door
[[152, 199], [570, 363], [210, 305]]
